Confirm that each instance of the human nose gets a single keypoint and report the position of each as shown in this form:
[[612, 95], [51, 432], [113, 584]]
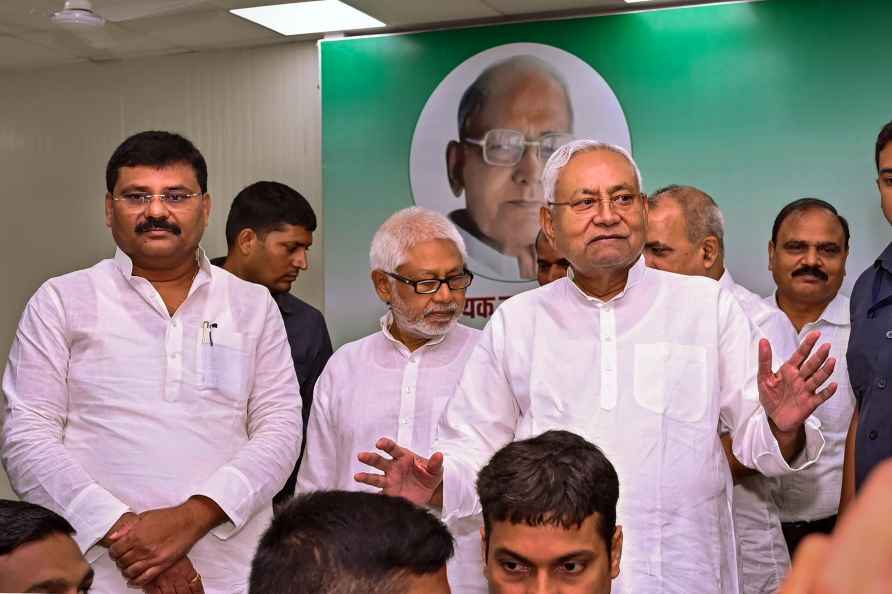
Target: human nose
[[301, 259], [811, 257], [156, 207], [603, 213], [529, 168], [443, 293], [541, 584]]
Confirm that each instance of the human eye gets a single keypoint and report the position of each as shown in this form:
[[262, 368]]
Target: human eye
[[623, 199], [135, 197], [427, 286], [176, 197], [829, 249], [583, 204], [887, 181], [794, 246], [512, 566], [572, 567]]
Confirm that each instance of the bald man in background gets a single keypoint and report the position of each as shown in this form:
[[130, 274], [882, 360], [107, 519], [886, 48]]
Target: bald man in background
[[510, 120], [685, 234]]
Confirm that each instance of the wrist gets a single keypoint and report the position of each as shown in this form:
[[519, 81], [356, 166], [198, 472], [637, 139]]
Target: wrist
[[204, 514]]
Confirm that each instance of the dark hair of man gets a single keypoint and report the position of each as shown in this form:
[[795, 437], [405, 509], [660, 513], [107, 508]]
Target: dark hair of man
[[884, 137], [22, 523], [475, 96], [557, 478], [265, 206], [156, 149], [341, 542], [807, 204]]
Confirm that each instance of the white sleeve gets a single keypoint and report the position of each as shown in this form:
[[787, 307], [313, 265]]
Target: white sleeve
[[33, 449], [478, 420], [754, 444], [248, 482]]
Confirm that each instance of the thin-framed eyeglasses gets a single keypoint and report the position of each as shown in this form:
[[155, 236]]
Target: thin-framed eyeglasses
[[617, 202], [505, 148], [428, 286], [141, 199]]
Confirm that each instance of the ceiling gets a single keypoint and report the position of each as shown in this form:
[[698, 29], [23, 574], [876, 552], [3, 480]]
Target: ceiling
[[139, 28]]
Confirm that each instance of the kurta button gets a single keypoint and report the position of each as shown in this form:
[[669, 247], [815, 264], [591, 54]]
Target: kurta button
[[872, 435], [881, 383], [888, 333]]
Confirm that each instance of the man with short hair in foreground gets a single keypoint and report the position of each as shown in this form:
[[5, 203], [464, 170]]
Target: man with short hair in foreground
[[269, 232], [549, 517], [37, 553], [550, 264], [341, 542]]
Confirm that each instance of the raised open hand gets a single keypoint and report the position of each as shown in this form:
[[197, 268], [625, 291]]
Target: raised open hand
[[791, 395], [406, 474]]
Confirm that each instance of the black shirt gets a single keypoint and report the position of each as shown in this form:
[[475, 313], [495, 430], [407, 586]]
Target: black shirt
[[310, 350], [869, 360]]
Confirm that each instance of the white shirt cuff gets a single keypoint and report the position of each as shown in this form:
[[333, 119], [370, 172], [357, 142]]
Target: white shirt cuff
[[768, 457], [231, 490], [92, 514]]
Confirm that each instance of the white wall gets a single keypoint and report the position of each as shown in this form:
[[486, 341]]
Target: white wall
[[255, 114]]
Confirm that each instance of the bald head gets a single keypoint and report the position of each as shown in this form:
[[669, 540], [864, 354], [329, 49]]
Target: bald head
[[685, 232], [506, 78]]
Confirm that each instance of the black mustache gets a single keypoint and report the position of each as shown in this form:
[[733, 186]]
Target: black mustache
[[152, 223], [811, 270]]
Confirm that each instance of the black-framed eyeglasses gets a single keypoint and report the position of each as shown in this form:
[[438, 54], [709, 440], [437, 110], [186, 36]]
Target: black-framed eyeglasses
[[428, 286], [504, 147]]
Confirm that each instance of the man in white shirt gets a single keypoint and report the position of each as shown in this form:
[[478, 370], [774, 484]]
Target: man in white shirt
[[685, 234], [644, 363], [807, 258], [151, 399], [397, 381]]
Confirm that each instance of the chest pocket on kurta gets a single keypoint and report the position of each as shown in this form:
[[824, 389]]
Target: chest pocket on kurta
[[670, 380], [224, 367]]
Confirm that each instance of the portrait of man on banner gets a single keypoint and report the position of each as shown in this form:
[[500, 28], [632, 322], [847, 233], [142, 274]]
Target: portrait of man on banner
[[481, 142]]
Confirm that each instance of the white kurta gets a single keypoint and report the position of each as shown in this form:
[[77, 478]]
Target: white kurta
[[648, 376], [114, 405], [762, 551], [375, 387], [814, 493]]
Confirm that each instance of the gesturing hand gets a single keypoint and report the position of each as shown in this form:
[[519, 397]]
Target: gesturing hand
[[406, 474], [180, 578], [791, 395]]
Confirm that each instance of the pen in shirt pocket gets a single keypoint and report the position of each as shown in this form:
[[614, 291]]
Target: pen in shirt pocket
[[207, 329]]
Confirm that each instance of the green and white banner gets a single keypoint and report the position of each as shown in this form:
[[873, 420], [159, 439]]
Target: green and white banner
[[756, 103]]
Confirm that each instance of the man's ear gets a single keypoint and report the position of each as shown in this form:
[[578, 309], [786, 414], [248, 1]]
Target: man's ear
[[455, 164], [710, 251], [109, 212], [246, 241], [546, 223], [382, 285], [616, 552], [771, 255]]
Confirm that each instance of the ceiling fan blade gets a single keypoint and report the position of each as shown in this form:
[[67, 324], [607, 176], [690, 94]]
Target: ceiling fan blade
[[120, 11]]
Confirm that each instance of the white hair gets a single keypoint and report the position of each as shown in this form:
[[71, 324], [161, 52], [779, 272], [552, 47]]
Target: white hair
[[562, 156], [404, 230]]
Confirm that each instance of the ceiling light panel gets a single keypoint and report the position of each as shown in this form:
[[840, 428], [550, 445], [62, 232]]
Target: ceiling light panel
[[302, 18]]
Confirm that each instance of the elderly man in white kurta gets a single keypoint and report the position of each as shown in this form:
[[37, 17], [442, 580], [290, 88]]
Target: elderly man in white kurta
[[151, 398], [646, 364], [397, 381]]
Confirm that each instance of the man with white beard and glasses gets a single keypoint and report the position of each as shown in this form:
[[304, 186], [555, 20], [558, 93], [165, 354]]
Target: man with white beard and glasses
[[647, 364], [397, 381]]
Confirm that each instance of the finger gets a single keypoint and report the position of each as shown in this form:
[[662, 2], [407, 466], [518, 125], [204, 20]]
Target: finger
[[811, 556], [147, 576], [129, 558], [820, 376], [805, 347], [124, 544], [373, 480], [375, 460], [196, 586], [813, 363], [135, 570], [764, 358], [435, 464], [827, 392], [395, 450]]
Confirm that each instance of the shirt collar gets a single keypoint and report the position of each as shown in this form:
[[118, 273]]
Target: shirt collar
[[125, 265], [836, 312], [387, 320], [635, 276], [885, 259], [726, 281]]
